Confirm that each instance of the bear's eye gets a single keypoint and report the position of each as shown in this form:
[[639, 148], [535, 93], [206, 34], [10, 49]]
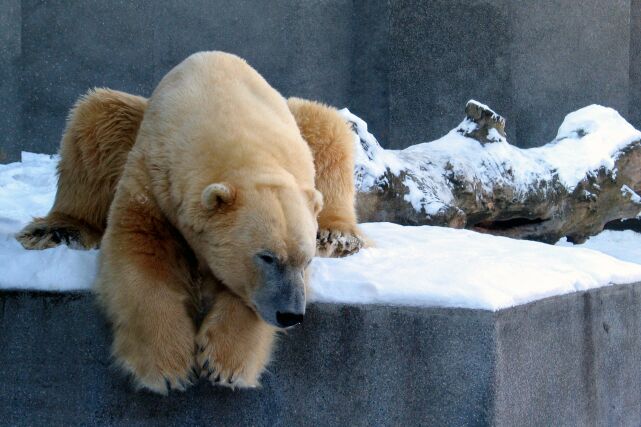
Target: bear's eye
[[267, 258]]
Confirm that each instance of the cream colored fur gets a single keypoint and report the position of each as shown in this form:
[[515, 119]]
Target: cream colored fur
[[219, 170]]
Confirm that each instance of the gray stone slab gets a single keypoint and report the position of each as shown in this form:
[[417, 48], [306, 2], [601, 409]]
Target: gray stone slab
[[635, 64], [566, 55], [301, 47], [442, 54], [405, 66], [571, 360], [346, 365], [369, 91], [68, 48], [568, 360], [10, 47]]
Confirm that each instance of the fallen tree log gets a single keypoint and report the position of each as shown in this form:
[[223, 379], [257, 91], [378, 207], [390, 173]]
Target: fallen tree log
[[473, 178]]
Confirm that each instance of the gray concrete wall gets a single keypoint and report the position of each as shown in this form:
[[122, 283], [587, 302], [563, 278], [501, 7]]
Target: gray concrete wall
[[405, 66], [568, 360], [345, 366], [10, 49], [571, 360], [635, 64], [565, 55]]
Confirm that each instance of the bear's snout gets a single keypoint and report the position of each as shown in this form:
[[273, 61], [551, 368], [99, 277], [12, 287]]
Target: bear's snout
[[285, 320], [280, 298], [282, 305]]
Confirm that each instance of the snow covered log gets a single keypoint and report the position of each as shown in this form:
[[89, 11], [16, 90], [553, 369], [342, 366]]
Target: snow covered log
[[473, 178]]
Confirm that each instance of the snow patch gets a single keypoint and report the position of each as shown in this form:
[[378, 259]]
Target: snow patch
[[624, 245], [437, 266], [631, 194], [419, 266], [27, 189]]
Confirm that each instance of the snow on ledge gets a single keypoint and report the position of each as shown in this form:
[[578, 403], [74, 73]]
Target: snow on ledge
[[419, 266]]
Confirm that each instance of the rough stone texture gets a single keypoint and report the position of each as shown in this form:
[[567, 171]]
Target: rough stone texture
[[542, 209], [444, 52], [68, 48], [346, 365], [405, 66], [10, 138], [635, 64], [568, 360], [369, 89], [566, 55], [571, 360]]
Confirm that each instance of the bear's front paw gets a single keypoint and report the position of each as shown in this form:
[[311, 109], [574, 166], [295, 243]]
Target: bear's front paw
[[163, 376], [160, 367], [233, 354], [338, 242]]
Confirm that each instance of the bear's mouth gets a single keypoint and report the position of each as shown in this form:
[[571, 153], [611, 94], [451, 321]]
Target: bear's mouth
[[288, 320]]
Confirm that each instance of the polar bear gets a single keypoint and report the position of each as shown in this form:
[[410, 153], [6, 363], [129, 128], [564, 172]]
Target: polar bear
[[208, 202]]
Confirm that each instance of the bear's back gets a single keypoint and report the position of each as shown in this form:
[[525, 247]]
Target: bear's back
[[215, 113]]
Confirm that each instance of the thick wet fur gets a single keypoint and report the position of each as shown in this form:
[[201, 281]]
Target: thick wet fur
[[332, 144], [201, 221]]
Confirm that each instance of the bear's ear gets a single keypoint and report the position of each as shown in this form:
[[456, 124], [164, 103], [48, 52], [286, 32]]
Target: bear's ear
[[315, 198], [218, 194]]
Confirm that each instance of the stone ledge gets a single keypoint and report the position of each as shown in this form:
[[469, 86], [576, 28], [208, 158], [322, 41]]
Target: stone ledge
[[573, 359]]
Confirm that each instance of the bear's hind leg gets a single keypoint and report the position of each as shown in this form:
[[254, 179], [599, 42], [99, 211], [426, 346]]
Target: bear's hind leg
[[56, 229], [331, 142], [234, 344], [100, 132]]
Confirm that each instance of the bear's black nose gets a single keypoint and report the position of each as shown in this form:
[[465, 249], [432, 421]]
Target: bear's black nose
[[286, 320]]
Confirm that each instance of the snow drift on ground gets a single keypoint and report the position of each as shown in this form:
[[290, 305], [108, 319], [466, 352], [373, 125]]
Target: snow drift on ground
[[27, 189], [424, 266], [624, 245], [588, 139]]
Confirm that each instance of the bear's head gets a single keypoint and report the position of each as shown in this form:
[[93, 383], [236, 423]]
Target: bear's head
[[230, 169], [258, 238]]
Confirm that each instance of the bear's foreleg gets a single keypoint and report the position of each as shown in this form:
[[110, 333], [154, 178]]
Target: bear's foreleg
[[234, 344], [144, 284], [332, 145]]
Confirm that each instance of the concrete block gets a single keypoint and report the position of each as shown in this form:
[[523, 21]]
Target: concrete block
[[566, 55], [635, 64], [10, 48], [443, 53], [70, 47], [405, 66], [370, 69], [568, 360]]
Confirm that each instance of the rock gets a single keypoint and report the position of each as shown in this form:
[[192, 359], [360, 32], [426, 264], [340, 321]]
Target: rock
[[480, 121], [546, 193]]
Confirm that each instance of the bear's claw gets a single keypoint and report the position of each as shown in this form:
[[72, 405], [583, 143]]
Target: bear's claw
[[337, 243], [193, 376], [216, 376], [41, 236], [162, 385]]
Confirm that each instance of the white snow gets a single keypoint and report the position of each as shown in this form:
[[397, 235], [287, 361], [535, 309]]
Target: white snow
[[587, 140], [436, 266], [624, 245], [27, 189], [634, 197], [423, 266]]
